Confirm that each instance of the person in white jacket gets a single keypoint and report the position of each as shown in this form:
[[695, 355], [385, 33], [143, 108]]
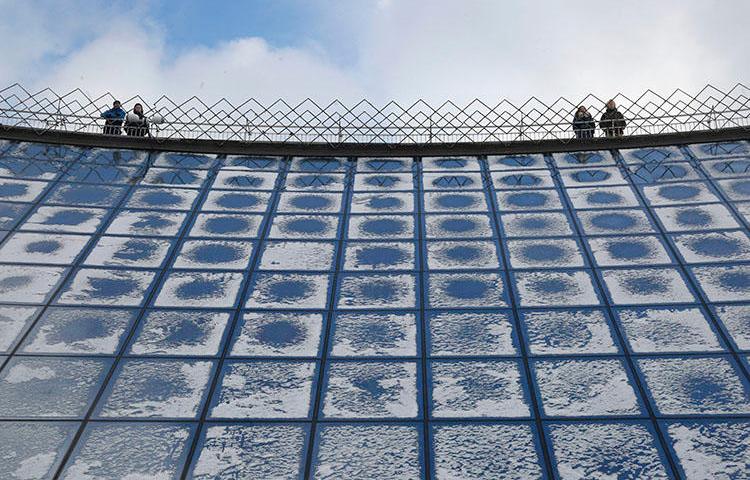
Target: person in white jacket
[[136, 123]]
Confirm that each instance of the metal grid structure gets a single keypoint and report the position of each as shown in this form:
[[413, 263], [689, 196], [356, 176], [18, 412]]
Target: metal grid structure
[[176, 315], [335, 123]]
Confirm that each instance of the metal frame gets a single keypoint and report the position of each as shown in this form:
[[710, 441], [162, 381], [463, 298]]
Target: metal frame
[[364, 123]]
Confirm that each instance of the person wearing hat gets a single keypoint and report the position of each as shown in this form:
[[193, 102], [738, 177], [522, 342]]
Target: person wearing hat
[[583, 123]]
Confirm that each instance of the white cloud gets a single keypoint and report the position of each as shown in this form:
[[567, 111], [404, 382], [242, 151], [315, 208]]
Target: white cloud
[[239, 69], [405, 50]]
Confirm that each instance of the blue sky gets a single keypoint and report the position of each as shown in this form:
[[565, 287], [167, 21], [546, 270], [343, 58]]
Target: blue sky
[[374, 49], [281, 23]]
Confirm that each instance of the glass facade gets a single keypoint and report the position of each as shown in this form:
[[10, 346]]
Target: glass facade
[[581, 315]]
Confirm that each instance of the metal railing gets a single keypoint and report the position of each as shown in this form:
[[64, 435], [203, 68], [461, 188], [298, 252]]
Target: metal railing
[[308, 122]]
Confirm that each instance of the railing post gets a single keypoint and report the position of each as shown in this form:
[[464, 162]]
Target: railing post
[[430, 130], [712, 118]]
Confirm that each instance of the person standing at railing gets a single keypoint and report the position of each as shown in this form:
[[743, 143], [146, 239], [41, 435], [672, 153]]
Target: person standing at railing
[[113, 119], [612, 122], [583, 123], [136, 123]]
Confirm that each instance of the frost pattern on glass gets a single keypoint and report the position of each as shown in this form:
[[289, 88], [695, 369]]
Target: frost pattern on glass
[[156, 389], [477, 389], [28, 284], [363, 452], [557, 253], [379, 256], [214, 254], [13, 321], [454, 202], [714, 449], [457, 226], [130, 451], [278, 334], [696, 385], [527, 200], [700, 217], [82, 331], [380, 227], [42, 248], [585, 388], [306, 291], [714, 247], [678, 194], [222, 225], [162, 198], [736, 319], [602, 197], [264, 390], [307, 227], [313, 256], [724, 284], [614, 222], [377, 291], [231, 201], [65, 219], [33, 450], [146, 223], [606, 451], [20, 191], [631, 250], [647, 286], [128, 252], [215, 289], [251, 451], [371, 390], [392, 202], [462, 290], [461, 334], [568, 332], [49, 387], [304, 202], [374, 334], [127, 288], [471, 255], [474, 451], [656, 330], [540, 289], [180, 333]]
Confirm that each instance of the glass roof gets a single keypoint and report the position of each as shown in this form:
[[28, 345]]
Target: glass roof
[[579, 315]]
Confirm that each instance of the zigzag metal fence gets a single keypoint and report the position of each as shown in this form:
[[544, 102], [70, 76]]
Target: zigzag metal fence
[[335, 123]]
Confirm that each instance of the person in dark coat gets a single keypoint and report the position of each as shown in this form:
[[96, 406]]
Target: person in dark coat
[[612, 121], [136, 124], [113, 119], [583, 123]]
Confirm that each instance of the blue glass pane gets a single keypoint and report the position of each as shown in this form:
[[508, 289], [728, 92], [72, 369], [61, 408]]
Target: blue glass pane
[[145, 450], [156, 389], [39, 387], [33, 449], [607, 450]]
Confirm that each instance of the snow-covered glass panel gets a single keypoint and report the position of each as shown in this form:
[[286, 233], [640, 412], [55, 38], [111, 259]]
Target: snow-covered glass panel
[[196, 315]]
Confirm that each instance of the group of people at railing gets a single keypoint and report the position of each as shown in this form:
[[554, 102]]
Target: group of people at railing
[[116, 119], [612, 122], [136, 124]]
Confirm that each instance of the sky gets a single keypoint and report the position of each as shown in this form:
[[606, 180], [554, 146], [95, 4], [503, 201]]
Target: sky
[[378, 50]]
